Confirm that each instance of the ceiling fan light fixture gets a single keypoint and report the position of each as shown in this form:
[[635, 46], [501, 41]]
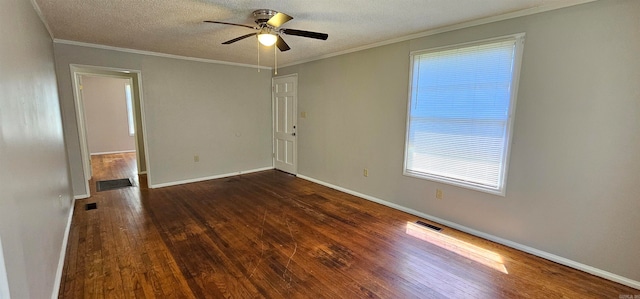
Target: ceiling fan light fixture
[[267, 38], [269, 30]]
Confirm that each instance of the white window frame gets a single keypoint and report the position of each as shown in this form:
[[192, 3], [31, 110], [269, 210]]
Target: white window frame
[[501, 190]]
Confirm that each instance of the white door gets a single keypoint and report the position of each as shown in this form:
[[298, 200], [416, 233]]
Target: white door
[[285, 102]]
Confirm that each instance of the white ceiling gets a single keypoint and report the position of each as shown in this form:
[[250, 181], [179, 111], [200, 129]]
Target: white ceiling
[[176, 27]]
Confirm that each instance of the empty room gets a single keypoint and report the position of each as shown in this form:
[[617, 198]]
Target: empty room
[[326, 149]]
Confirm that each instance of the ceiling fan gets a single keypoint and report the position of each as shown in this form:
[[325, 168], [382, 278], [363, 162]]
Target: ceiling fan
[[269, 32]]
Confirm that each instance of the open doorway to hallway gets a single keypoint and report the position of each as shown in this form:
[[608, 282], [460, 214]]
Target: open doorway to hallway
[[109, 122], [111, 128]]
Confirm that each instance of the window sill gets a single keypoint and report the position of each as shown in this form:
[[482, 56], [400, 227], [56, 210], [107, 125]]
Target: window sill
[[457, 183]]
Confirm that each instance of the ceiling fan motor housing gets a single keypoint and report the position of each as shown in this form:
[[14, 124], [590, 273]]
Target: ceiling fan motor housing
[[262, 16]]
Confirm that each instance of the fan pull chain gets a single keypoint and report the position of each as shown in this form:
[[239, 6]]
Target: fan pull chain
[[258, 55], [275, 55]]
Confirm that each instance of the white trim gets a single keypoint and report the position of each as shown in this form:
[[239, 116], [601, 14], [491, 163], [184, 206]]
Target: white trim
[[157, 54], [63, 253], [273, 126], [81, 123], [81, 196], [511, 15], [145, 133], [543, 254], [213, 177], [87, 73], [114, 152], [515, 37], [4, 281], [102, 71], [36, 7]]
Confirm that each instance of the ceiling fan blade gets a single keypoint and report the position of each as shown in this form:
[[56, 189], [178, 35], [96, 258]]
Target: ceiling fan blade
[[282, 45], [232, 24], [316, 35], [238, 38], [279, 19]]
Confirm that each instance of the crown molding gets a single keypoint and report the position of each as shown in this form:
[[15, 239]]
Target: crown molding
[[36, 7], [487, 20], [511, 15], [151, 53]]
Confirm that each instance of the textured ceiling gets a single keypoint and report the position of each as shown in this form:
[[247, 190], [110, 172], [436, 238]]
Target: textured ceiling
[[176, 27]]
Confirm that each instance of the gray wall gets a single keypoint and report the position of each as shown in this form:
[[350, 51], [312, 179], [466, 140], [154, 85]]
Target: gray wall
[[220, 112], [106, 115], [35, 193], [573, 187]]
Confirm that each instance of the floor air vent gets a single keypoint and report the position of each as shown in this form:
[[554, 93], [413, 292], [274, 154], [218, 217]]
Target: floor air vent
[[433, 227], [91, 206], [113, 184]]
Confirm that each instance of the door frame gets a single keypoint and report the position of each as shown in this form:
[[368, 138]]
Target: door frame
[[135, 76], [273, 121]]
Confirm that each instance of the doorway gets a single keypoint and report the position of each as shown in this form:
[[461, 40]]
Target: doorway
[[110, 120], [110, 125], [285, 106]]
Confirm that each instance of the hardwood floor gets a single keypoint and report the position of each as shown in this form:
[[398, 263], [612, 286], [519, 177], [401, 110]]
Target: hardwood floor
[[272, 235]]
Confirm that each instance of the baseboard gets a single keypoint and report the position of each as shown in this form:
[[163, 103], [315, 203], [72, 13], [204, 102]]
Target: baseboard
[[63, 253], [543, 254], [114, 152], [219, 176]]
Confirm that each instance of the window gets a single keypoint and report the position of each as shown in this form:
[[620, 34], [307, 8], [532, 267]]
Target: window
[[128, 98], [459, 120]]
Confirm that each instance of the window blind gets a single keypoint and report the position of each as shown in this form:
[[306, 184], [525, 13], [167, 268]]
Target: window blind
[[459, 114]]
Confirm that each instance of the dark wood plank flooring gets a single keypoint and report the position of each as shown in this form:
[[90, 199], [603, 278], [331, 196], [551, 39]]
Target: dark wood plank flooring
[[271, 235]]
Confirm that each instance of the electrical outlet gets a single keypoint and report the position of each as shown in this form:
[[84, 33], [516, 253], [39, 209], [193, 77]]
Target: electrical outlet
[[196, 158], [365, 172], [438, 194]]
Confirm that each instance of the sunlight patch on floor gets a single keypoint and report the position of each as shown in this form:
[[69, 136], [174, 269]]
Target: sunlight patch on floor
[[467, 250]]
